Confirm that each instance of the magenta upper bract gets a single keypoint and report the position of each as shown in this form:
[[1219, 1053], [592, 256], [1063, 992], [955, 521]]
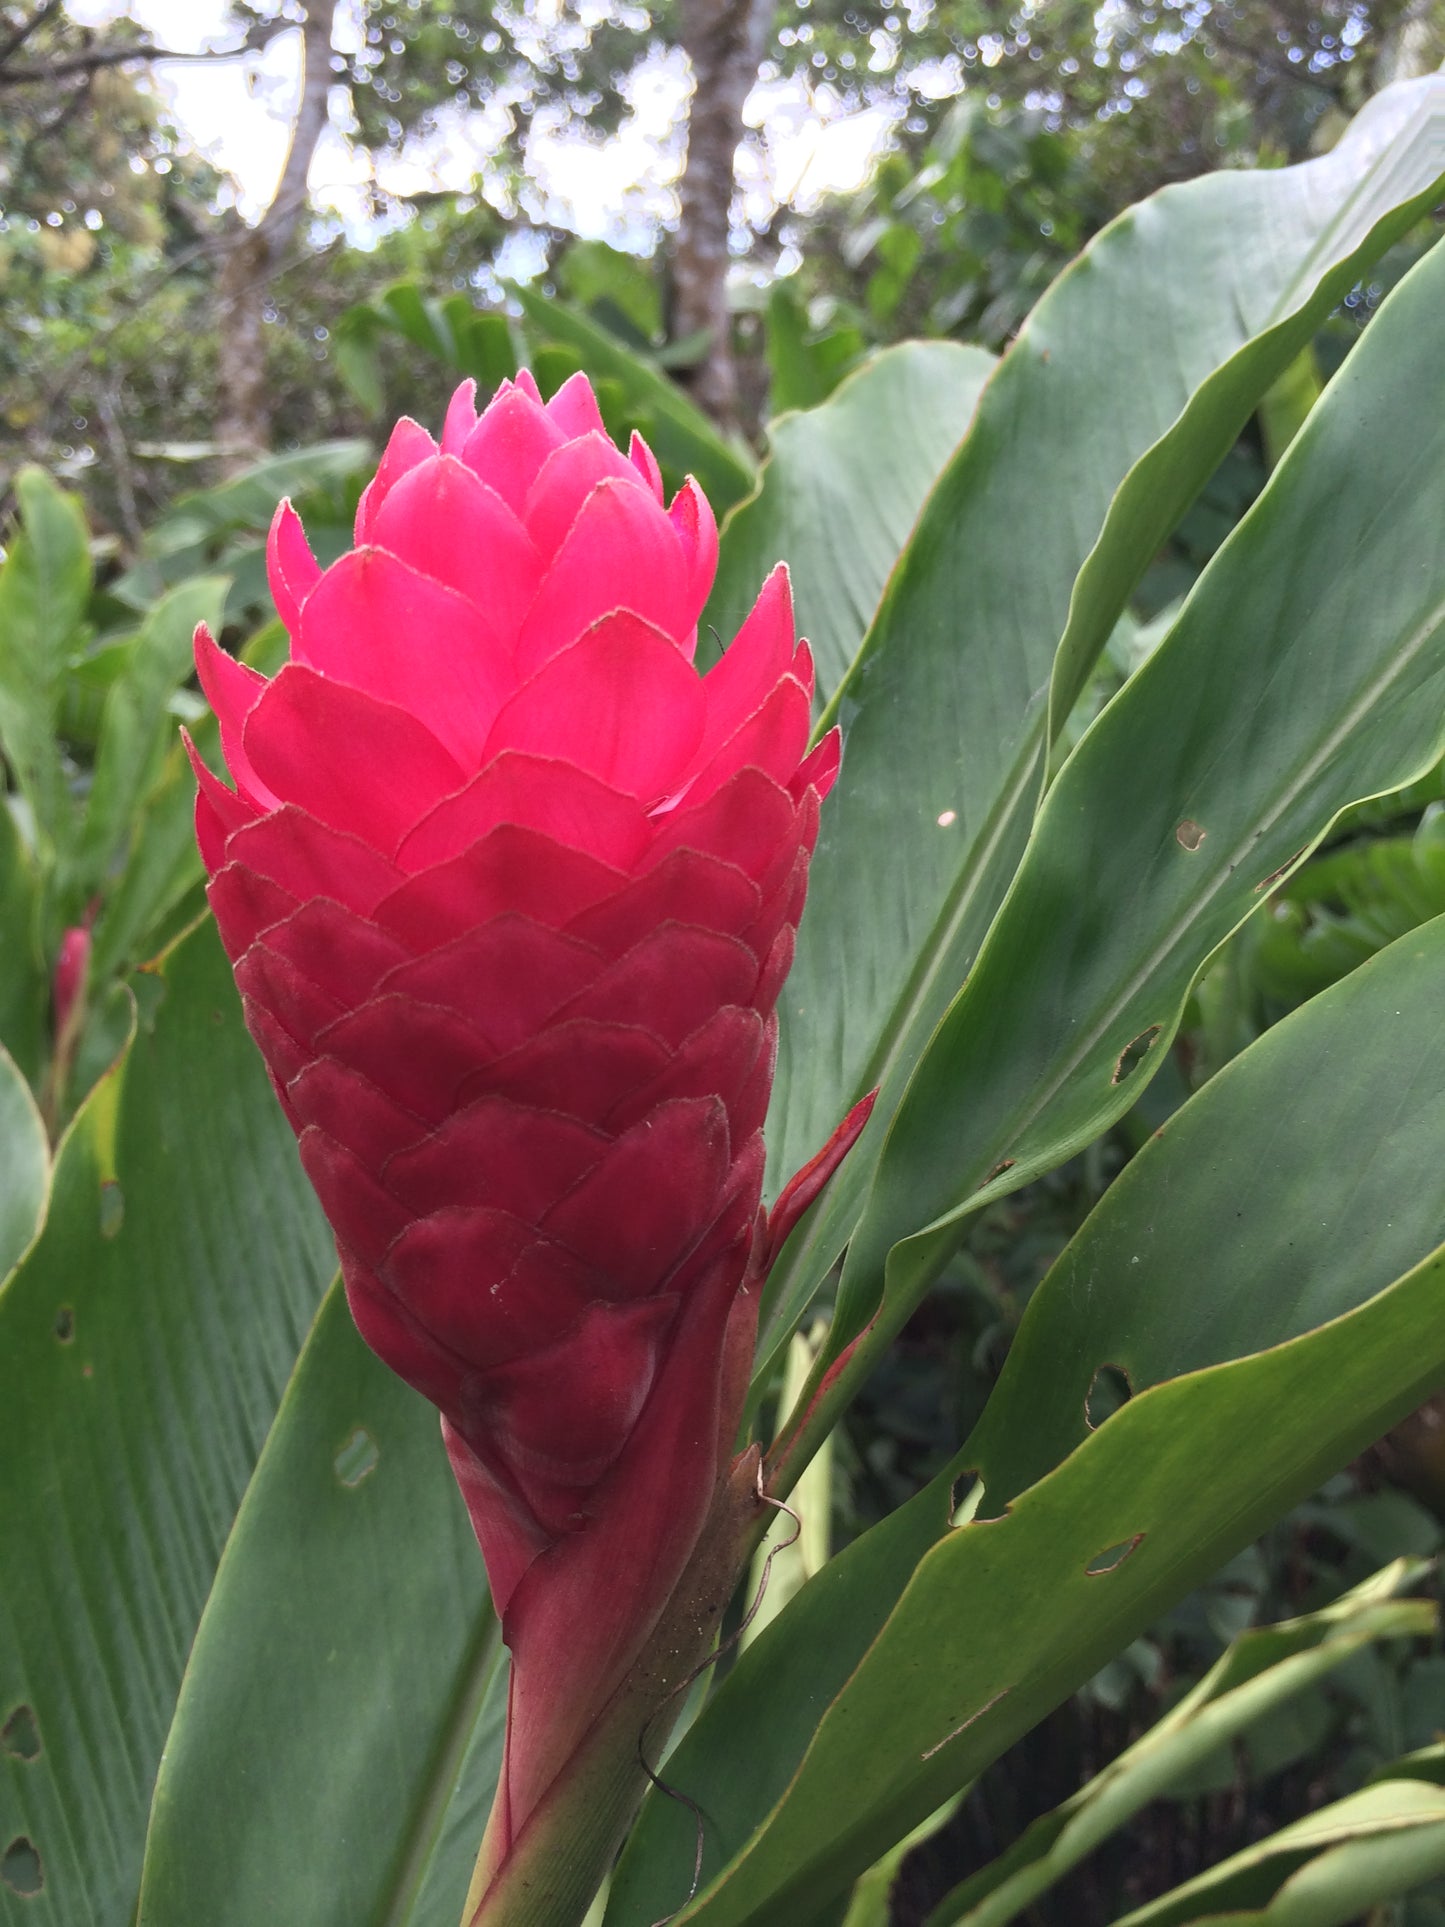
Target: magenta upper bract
[[510, 890]]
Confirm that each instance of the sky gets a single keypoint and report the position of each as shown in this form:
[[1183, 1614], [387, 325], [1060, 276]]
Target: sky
[[238, 113]]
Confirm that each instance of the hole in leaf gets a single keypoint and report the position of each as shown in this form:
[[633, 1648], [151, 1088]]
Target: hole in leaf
[[1112, 1557], [20, 1735], [1190, 834], [112, 1208], [357, 1458], [20, 1868], [1109, 1388], [1133, 1055], [965, 1498], [64, 1326]]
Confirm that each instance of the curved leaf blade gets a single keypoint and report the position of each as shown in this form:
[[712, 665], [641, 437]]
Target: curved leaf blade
[[25, 1171], [349, 1655], [917, 1632], [144, 1344], [1306, 671], [1144, 358], [840, 490], [1260, 1670], [1326, 1870], [1003, 1618]]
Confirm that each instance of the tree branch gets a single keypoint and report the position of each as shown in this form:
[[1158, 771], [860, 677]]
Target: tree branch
[[27, 27], [93, 59]]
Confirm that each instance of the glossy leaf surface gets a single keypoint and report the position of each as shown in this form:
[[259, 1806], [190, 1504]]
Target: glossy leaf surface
[[1306, 671], [926, 1650], [1121, 393], [839, 493], [349, 1654], [144, 1344], [24, 1164]]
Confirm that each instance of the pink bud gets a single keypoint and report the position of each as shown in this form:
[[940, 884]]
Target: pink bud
[[68, 979]]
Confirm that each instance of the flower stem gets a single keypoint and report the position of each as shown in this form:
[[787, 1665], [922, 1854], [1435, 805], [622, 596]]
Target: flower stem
[[563, 1852]]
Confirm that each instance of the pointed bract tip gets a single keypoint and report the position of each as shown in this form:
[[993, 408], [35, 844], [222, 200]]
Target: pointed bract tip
[[804, 1188], [461, 417]]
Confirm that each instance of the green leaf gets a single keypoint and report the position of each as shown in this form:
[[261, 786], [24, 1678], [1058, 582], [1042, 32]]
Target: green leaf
[[1282, 411], [839, 492], [681, 436], [182, 543], [1346, 905], [593, 275], [1261, 1670], [1303, 1177], [44, 587], [486, 349], [350, 1657], [1005, 1617], [806, 364], [1129, 381], [137, 732], [24, 989], [871, 1902], [927, 1649], [420, 320], [158, 893], [1325, 1871], [354, 348], [144, 1345], [25, 1166], [1306, 671]]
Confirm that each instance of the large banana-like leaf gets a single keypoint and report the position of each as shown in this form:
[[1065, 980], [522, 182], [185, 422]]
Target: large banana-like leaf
[[1306, 671], [839, 493], [144, 1344], [351, 1658], [925, 1649], [1123, 390]]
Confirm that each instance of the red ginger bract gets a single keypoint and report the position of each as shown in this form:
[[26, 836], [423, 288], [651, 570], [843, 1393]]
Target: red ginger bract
[[510, 890]]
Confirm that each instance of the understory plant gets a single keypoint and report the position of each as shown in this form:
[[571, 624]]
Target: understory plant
[[508, 840]]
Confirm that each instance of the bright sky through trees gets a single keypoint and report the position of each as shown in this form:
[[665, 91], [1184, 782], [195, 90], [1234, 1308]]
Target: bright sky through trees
[[238, 113]]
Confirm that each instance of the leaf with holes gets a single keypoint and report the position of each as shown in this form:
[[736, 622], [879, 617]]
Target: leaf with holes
[[1306, 671], [926, 1649], [1122, 392], [144, 1344]]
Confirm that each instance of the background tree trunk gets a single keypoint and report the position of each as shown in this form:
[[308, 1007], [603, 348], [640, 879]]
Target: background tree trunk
[[252, 255], [725, 40]]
